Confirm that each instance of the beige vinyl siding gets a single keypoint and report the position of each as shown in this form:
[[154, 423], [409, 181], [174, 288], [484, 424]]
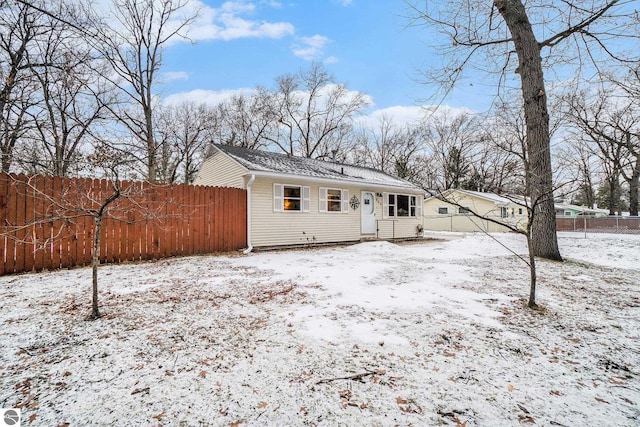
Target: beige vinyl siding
[[401, 227], [453, 221], [269, 228], [398, 228], [459, 223], [220, 170]]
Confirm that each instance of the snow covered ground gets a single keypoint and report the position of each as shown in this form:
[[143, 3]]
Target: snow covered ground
[[428, 333]]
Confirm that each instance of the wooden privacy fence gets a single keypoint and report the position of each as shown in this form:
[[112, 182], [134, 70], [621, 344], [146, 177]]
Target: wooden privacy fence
[[48, 223]]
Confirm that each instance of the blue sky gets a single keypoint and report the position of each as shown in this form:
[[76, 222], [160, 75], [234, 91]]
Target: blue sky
[[366, 44]]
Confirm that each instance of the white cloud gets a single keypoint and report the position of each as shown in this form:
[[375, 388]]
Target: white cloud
[[330, 60], [399, 114], [312, 47], [410, 114], [233, 20], [170, 76], [210, 97], [272, 4]]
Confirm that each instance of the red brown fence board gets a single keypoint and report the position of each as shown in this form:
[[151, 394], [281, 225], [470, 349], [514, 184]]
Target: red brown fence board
[[47, 222]]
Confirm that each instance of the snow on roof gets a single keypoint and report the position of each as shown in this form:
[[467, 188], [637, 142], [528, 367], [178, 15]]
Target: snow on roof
[[495, 198], [577, 208], [266, 161], [489, 196]]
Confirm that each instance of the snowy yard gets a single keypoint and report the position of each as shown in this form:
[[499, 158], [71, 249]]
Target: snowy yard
[[423, 334]]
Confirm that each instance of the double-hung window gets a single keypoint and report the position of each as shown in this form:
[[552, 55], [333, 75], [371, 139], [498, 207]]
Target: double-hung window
[[333, 200], [290, 198]]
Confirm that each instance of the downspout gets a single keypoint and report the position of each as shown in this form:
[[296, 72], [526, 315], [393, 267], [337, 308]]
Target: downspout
[[249, 245]]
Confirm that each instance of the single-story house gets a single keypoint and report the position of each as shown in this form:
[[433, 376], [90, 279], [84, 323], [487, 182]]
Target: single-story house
[[295, 201], [566, 210], [452, 210]]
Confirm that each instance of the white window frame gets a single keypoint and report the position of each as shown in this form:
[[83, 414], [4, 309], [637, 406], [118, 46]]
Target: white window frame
[[504, 212], [323, 200], [411, 197], [445, 208], [464, 210], [413, 206], [278, 198]]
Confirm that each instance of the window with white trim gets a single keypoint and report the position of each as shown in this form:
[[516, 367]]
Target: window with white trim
[[463, 211], [290, 198], [333, 200], [391, 205], [400, 205], [504, 212], [443, 210]]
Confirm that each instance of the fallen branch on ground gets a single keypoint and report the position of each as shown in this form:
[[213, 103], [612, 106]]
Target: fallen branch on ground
[[356, 377]]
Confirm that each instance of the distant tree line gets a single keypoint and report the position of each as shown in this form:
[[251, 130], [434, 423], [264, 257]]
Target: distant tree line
[[90, 82]]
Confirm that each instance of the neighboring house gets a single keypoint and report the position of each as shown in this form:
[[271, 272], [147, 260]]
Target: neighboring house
[[565, 210], [294, 200], [451, 211]]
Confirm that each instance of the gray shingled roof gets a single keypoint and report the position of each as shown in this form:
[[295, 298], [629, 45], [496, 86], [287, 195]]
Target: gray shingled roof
[[266, 161]]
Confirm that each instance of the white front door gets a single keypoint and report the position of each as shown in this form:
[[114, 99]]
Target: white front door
[[368, 213]]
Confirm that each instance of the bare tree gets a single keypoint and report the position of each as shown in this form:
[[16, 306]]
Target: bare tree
[[63, 207], [611, 124], [391, 148], [569, 31], [19, 28], [523, 229], [314, 113], [579, 160], [452, 140], [246, 120], [377, 144], [72, 99], [110, 161], [183, 135], [133, 40], [506, 133]]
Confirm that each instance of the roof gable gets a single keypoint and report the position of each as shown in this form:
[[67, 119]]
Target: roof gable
[[267, 162]]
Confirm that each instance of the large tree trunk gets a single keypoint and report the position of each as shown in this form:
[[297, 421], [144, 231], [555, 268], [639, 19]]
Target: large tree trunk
[[152, 172], [540, 177]]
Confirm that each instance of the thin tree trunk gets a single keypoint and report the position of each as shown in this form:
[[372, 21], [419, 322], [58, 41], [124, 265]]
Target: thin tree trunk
[[613, 205], [633, 189], [532, 272], [95, 262], [545, 242]]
